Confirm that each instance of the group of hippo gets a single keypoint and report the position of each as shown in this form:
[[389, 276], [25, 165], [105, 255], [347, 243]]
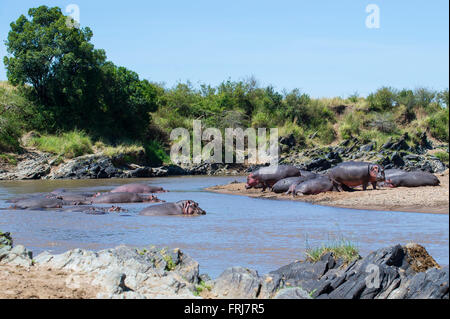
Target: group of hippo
[[343, 177], [64, 200]]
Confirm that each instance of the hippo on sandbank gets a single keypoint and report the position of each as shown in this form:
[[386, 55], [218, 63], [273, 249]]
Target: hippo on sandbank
[[313, 186], [115, 198], [138, 188], [269, 175], [351, 174], [412, 179], [183, 207], [283, 185]]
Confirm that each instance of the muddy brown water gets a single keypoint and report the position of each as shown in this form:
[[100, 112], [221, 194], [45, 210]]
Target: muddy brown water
[[261, 234]]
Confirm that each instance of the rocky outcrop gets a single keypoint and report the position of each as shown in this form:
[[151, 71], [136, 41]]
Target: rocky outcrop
[[32, 166], [396, 272], [125, 272], [17, 256], [387, 273], [396, 153], [95, 166]]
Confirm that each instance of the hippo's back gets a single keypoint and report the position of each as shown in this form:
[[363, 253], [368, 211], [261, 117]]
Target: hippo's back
[[161, 210]]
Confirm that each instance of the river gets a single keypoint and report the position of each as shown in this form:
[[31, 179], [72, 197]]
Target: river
[[256, 233]]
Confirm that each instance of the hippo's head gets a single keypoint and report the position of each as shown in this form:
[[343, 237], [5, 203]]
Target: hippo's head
[[251, 181], [376, 172], [191, 208], [389, 183]]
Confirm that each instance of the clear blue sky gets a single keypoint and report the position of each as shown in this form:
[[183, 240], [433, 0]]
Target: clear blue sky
[[321, 47]]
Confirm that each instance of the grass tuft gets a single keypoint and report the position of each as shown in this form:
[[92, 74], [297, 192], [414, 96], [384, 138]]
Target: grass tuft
[[68, 145], [341, 248]]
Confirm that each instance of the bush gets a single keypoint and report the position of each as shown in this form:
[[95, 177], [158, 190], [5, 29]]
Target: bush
[[10, 133], [326, 134], [443, 157], [351, 125], [156, 154], [438, 125], [383, 99], [291, 128]]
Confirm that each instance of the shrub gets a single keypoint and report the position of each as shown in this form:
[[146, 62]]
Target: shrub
[[297, 131], [438, 125], [155, 153], [383, 99], [443, 156], [326, 134], [351, 125]]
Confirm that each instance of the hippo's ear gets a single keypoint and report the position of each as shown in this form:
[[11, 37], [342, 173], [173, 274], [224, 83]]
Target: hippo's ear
[[374, 168]]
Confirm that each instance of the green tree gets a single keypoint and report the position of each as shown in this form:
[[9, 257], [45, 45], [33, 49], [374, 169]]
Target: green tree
[[55, 59], [72, 81]]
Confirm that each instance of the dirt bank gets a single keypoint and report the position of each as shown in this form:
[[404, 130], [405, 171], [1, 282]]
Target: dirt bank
[[39, 283], [419, 199]]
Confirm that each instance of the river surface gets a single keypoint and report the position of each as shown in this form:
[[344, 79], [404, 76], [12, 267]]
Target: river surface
[[261, 234]]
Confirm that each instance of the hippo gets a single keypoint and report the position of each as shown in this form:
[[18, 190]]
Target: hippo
[[183, 207], [74, 198], [314, 186], [138, 188], [307, 174], [113, 198], [283, 185], [412, 179], [38, 203], [92, 210], [350, 174], [269, 175]]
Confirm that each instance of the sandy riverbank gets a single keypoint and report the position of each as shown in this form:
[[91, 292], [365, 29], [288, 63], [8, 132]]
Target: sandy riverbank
[[419, 199], [40, 283]]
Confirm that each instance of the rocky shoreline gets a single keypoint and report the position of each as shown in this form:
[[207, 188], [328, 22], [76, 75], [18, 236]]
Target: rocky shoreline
[[396, 153], [395, 272]]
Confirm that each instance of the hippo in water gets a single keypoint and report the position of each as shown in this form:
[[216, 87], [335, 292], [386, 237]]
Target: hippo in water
[[138, 188], [269, 175], [313, 186], [114, 198], [183, 207], [351, 174], [412, 179], [38, 203], [283, 185]]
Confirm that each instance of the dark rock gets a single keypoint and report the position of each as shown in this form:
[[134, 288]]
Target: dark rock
[[5, 239], [319, 164], [368, 147], [288, 140]]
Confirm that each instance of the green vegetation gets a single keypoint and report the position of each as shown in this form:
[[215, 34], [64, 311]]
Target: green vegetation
[[170, 264], [341, 248], [65, 89], [201, 287], [7, 158], [68, 145], [443, 157]]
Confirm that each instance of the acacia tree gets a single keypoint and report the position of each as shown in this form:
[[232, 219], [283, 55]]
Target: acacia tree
[[49, 55], [73, 80]]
